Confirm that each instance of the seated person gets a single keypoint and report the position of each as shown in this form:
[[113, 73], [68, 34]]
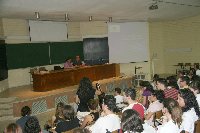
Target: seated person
[[58, 117], [109, 121], [32, 125], [77, 61], [68, 63], [94, 114], [70, 122], [132, 123], [130, 98], [172, 117], [25, 113], [119, 98], [156, 99]]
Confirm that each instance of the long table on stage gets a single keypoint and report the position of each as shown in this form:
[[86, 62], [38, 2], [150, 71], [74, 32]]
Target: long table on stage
[[68, 77]]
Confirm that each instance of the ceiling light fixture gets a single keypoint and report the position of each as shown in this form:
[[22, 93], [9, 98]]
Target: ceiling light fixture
[[110, 19], [67, 16], [90, 18], [154, 5], [37, 15]]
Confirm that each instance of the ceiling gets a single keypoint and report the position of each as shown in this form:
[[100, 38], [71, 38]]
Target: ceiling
[[100, 10]]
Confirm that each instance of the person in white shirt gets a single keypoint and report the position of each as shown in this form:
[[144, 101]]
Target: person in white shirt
[[156, 99], [195, 88], [190, 108], [132, 123], [119, 98], [109, 122], [172, 114]]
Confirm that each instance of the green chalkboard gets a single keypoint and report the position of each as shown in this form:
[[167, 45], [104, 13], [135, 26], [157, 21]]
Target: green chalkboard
[[59, 51], [27, 55]]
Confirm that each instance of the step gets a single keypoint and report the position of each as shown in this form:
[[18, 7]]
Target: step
[[6, 106], [8, 112], [8, 100], [6, 118]]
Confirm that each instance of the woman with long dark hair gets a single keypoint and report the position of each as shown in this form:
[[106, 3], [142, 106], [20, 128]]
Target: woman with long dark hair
[[84, 93], [190, 108]]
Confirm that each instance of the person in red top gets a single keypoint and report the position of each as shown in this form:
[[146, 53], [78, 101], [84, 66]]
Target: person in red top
[[169, 92], [130, 95]]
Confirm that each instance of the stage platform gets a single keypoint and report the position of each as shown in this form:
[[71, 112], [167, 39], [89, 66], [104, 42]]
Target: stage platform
[[14, 99]]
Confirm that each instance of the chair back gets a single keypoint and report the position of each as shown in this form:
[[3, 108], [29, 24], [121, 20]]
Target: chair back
[[197, 126], [157, 115]]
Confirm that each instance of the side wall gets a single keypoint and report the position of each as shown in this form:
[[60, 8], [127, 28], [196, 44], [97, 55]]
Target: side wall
[[174, 42]]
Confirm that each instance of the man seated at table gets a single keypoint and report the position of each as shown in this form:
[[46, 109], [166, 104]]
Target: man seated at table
[[68, 63], [78, 61]]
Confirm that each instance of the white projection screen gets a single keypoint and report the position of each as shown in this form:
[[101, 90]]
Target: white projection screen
[[47, 31], [128, 42]]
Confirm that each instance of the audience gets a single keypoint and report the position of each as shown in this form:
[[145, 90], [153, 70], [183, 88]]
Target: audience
[[169, 92], [13, 128], [94, 114], [109, 121], [58, 117], [130, 95], [132, 123], [190, 108], [32, 125], [156, 99], [25, 113], [71, 121], [172, 117]]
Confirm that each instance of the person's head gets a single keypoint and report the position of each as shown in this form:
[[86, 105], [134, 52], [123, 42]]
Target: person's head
[[117, 91], [184, 81], [77, 58], [195, 87], [59, 108], [13, 128], [146, 85], [85, 86], [92, 104], [25, 111], [109, 103], [155, 77], [68, 112], [130, 94], [69, 59], [157, 95], [161, 84], [131, 121], [172, 82], [187, 100], [181, 73], [172, 109], [32, 125]]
